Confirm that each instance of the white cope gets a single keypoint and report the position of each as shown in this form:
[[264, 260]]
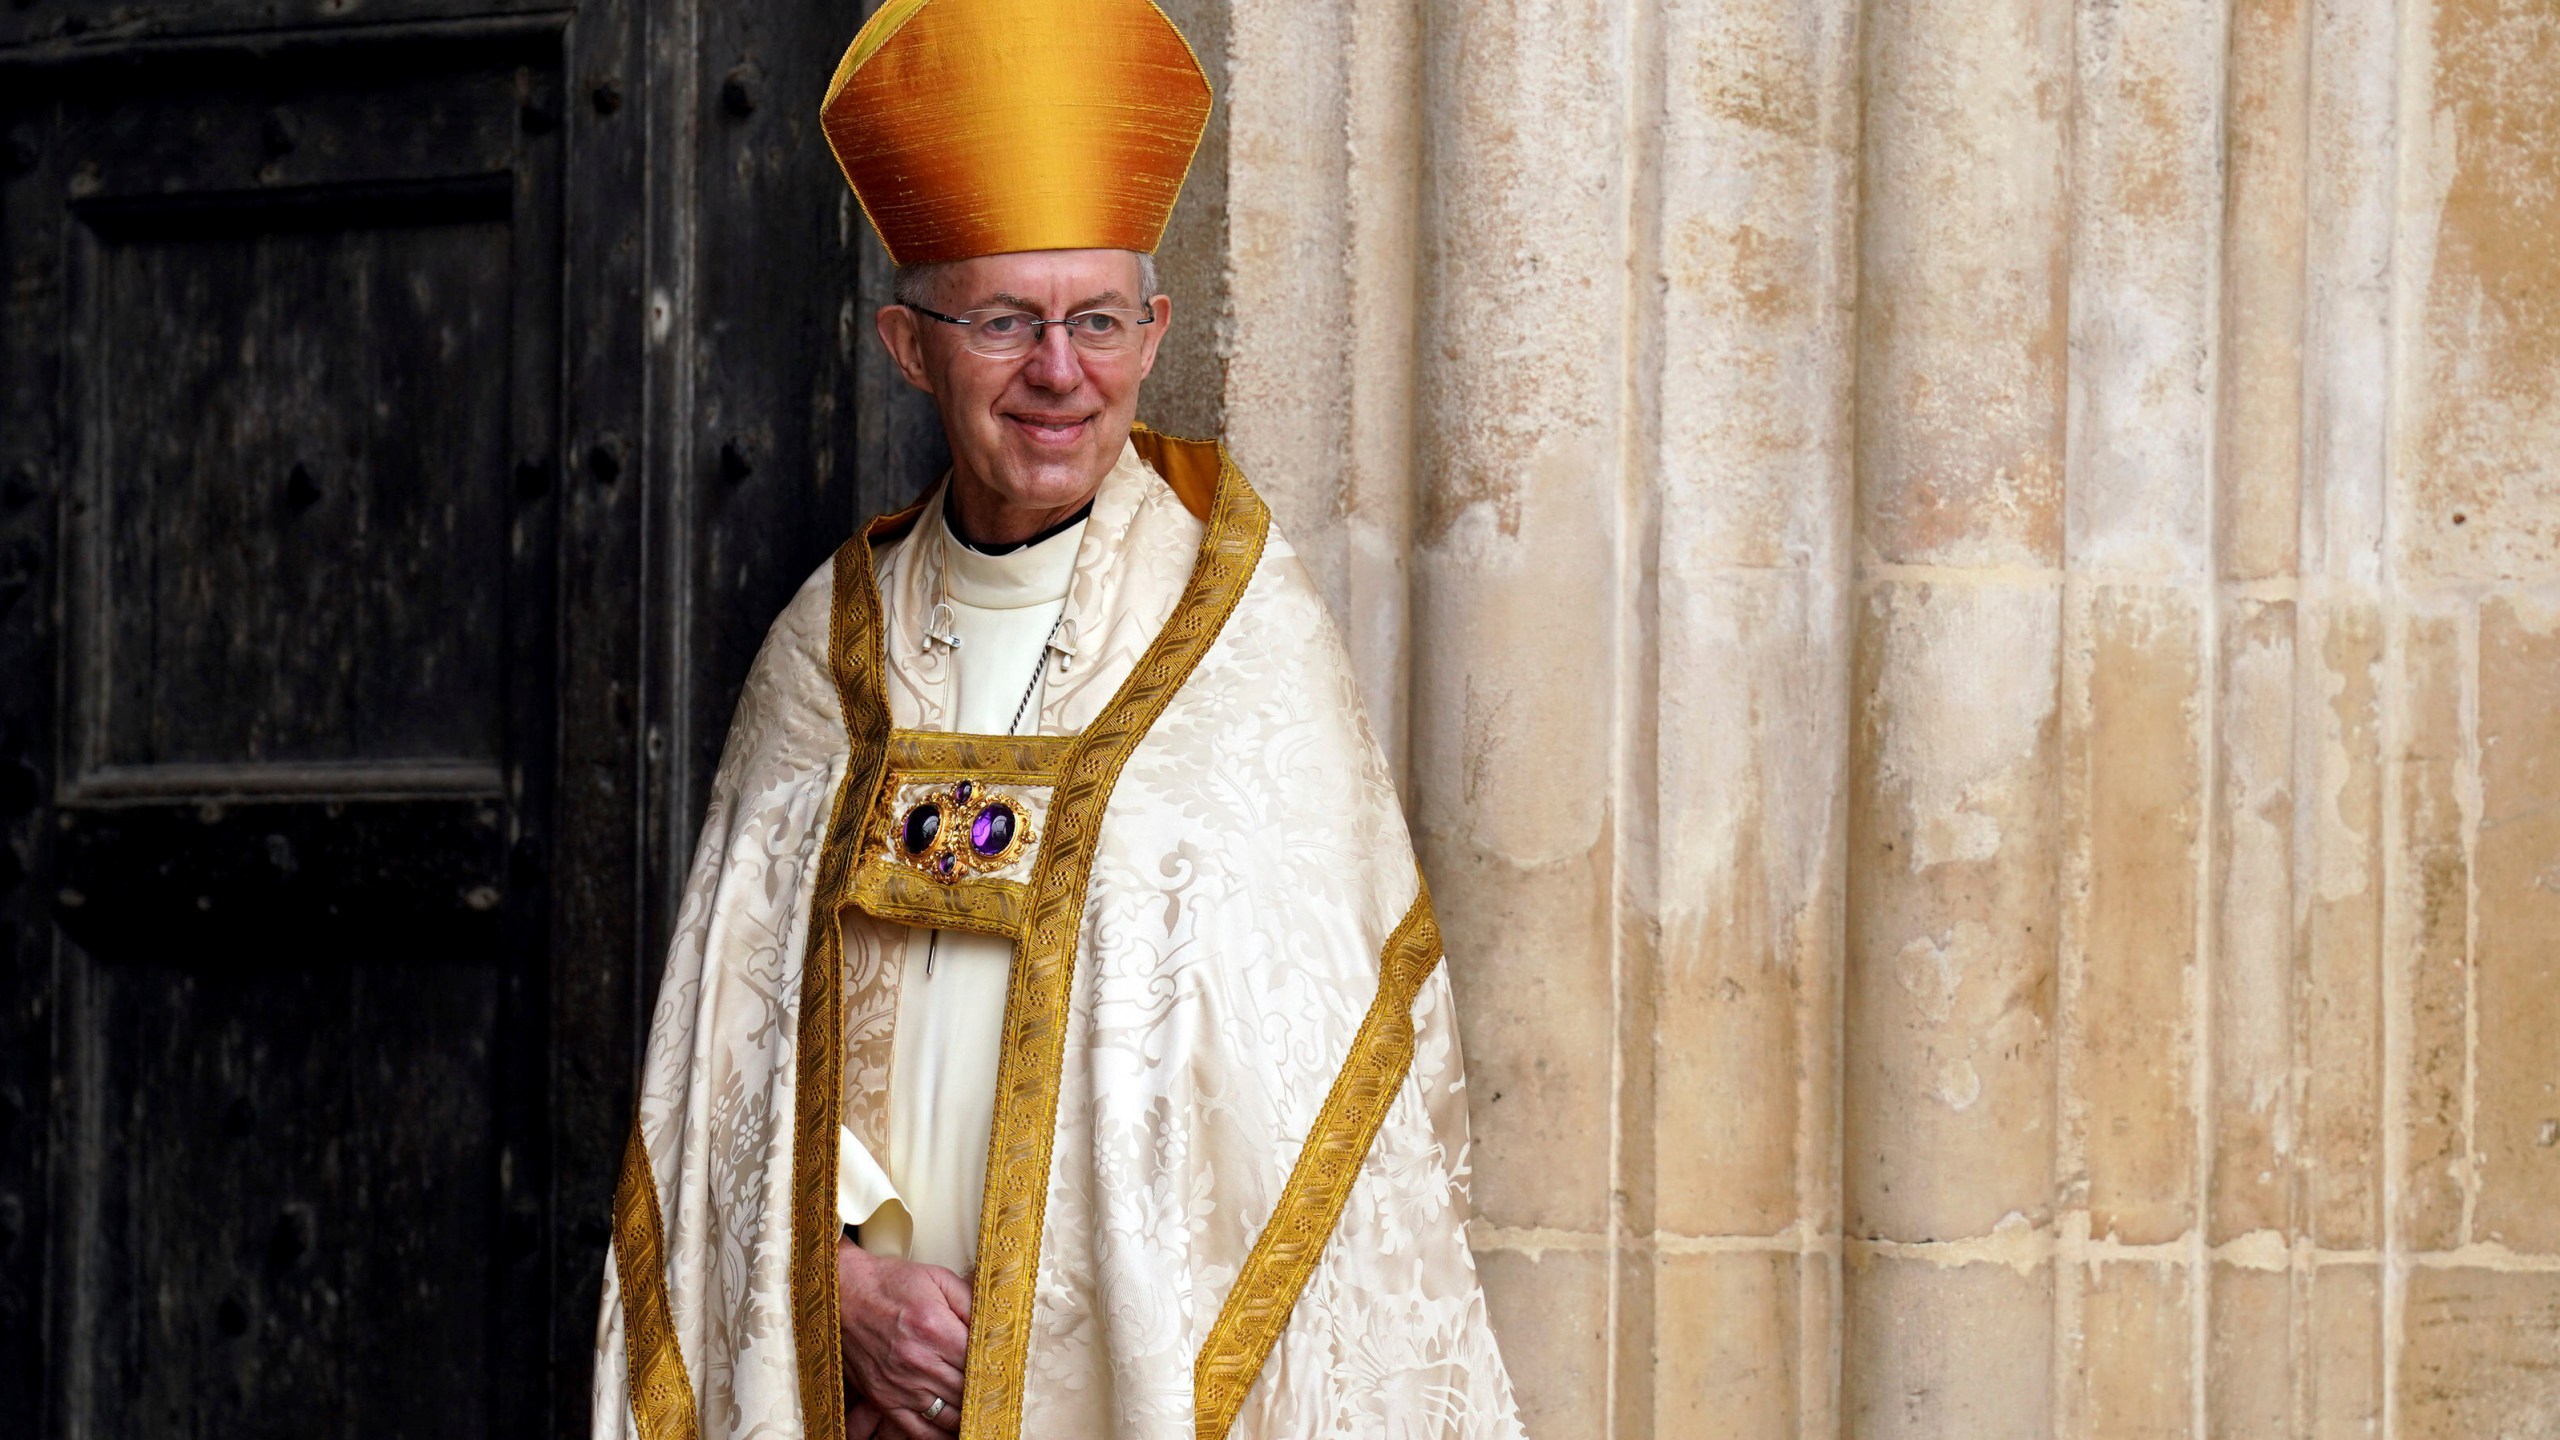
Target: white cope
[[942, 1076]]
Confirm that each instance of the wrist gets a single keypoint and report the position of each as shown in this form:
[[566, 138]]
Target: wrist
[[851, 1259]]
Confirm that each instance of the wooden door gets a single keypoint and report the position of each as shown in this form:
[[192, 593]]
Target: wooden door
[[298, 314], [411, 413]]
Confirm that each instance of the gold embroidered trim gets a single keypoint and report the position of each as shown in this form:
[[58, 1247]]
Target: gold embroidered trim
[[653, 1364], [854, 655], [891, 886], [988, 907], [1285, 1254], [1035, 1015], [1005, 759]]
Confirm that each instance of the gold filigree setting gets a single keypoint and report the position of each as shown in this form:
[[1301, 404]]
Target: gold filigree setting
[[964, 829], [937, 878]]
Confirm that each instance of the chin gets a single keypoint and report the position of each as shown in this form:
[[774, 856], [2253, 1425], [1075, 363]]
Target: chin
[[1052, 477], [1050, 480]]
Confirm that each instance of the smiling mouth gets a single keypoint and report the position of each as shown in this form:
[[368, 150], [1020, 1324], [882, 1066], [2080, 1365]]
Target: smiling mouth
[[1051, 429]]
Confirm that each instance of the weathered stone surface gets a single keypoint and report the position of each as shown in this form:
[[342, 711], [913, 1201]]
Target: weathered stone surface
[[2249, 1352], [1511, 763], [1551, 1310], [1533, 984], [1183, 395], [2342, 1352], [1952, 910], [1961, 356], [2429, 935], [2478, 498], [1758, 150], [2478, 1360], [1937, 1350], [2134, 813], [2254, 992], [1729, 1332], [2517, 1083], [2341, 979], [1749, 905], [2132, 1374], [2259, 443], [2146, 185], [1962, 595]]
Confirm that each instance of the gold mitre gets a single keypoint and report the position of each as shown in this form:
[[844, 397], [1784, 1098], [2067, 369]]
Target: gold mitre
[[978, 127]]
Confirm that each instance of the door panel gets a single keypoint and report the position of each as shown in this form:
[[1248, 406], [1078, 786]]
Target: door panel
[[102, 24], [412, 414], [286, 385], [304, 321]]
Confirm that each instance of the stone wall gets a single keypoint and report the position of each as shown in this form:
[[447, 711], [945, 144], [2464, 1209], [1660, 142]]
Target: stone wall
[[1966, 594]]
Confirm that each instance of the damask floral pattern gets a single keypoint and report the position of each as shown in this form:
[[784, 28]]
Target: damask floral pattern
[[717, 1085], [1253, 860]]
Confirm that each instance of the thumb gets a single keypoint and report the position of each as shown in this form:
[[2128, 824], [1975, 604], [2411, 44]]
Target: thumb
[[955, 1290]]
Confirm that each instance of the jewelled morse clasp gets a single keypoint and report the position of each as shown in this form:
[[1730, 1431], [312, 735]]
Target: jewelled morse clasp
[[953, 838], [961, 830]]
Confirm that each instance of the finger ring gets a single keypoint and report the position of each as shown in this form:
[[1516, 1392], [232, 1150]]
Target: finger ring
[[934, 1409]]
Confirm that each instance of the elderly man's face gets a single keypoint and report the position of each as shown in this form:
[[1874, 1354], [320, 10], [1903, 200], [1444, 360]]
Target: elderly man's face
[[1031, 438]]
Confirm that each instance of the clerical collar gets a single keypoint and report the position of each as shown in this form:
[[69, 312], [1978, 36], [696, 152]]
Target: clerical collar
[[1035, 572], [951, 522]]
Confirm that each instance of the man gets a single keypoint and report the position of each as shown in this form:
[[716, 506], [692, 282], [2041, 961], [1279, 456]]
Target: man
[[1054, 1042]]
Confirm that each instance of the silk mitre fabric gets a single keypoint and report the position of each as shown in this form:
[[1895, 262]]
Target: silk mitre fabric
[[1252, 862]]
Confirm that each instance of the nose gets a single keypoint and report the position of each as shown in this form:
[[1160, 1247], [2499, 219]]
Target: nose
[[1053, 363]]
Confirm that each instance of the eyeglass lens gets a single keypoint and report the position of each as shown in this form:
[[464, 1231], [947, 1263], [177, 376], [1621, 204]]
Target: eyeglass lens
[[1007, 334]]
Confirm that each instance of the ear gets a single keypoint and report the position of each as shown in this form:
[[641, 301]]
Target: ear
[[901, 335], [1163, 306]]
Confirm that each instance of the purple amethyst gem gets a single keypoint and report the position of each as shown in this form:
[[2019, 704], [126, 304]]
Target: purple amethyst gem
[[922, 824], [962, 791], [993, 829]]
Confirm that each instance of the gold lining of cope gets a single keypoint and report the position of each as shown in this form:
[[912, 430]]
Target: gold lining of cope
[[1285, 1254], [653, 1363], [1024, 1135]]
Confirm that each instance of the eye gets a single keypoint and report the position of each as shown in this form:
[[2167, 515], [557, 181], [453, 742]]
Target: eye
[[1097, 322], [1004, 326]]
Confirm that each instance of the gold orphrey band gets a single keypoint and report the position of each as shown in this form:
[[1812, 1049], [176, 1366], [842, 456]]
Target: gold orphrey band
[[854, 641], [1035, 1022], [1257, 1308], [661, 1395]]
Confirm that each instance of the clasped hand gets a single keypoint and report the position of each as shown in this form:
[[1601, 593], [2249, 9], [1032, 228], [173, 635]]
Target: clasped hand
[[905, 1333]]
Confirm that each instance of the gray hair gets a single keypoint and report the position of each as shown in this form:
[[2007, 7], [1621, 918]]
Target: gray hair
[[919, 284]]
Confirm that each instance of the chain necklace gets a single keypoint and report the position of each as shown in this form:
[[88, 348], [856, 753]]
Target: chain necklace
[[1048, 647]]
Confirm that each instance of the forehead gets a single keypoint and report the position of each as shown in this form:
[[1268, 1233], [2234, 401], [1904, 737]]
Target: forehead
[[1061, 277]]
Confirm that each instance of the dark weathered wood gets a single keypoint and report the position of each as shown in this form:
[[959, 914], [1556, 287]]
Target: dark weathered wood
[[292, 749], [769, 491], [56, 27], [260, 472], [601, 965], [412, 415], [30, 508]]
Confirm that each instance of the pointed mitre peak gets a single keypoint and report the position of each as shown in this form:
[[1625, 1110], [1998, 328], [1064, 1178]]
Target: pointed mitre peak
[[979, 127]]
